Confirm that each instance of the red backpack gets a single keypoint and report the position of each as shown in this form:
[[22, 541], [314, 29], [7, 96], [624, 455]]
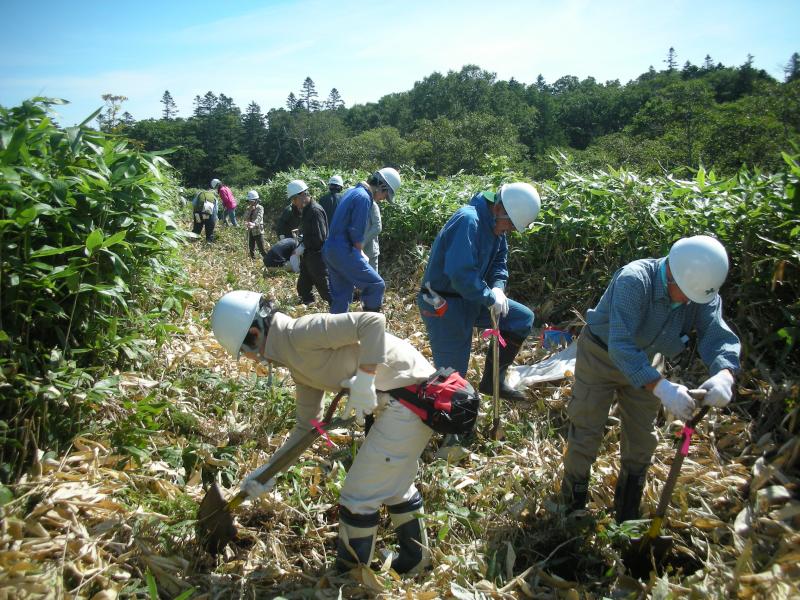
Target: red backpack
[[445, 402]]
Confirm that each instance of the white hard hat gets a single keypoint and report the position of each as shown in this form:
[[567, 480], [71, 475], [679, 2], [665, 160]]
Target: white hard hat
[[232, 317], [295, 186], [252, 195], [699, 265], [336, 180], [215, 183], [521, 202], [391, 178]]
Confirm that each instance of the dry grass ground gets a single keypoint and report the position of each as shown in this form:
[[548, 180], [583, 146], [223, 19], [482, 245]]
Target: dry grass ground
[[98, 522]]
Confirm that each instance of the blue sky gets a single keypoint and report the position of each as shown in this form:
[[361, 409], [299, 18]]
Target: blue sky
[[261, 51]]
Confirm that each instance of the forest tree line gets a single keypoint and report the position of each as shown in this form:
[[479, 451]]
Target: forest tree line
[[710, 115]]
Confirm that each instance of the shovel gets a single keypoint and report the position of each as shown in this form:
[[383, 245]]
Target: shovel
[[215, 528], [496, 432], [649, 551]]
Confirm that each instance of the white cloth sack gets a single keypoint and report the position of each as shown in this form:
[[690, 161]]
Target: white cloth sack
[[552, 368]]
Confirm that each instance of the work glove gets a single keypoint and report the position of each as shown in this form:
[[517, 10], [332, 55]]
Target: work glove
[[363, 398], [720, 389], [253, 488], [500, 302], [434, 299], [294, 262], [675, 398], [300, 249]]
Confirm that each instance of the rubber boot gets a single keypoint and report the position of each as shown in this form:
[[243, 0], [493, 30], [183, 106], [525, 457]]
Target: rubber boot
[[628, 492], [377, 309], [574, 493], [356, 543], [412, 540], [507, 355]]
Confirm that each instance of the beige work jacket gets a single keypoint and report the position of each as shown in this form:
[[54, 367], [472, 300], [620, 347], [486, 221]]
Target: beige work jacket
[[321, 350]]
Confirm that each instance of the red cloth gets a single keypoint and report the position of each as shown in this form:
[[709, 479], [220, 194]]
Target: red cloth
[[228, 201]]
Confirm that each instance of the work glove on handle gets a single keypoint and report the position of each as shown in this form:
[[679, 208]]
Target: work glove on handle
[[675, 398], [500, 302], [720, 389], [253, 488], [363, 397]]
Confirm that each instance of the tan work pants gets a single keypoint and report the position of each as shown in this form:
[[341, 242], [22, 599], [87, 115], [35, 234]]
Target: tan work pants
[[597, 379]]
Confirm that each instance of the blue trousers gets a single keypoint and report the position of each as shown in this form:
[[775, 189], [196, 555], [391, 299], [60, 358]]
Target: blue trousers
[[451, 334], [348, 270]]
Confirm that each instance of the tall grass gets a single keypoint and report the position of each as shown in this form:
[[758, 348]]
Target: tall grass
[[87, 248]]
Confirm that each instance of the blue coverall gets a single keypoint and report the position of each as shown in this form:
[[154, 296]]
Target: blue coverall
[[348, 268], [467, 260]]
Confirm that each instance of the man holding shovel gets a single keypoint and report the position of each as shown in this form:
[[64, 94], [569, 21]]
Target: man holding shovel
[[648, 309], [468, 271], [326, 352]]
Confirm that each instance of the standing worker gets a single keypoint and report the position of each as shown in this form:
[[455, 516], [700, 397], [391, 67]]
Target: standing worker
[[330, 201], [288, 222], [228, 202], [649, 308], [204, 212], [468, 269], [254, 221], [325, 352], [343, 252], [314, 232]]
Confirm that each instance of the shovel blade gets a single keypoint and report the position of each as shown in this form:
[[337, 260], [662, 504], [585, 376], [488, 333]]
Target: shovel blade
[[646, 554], [215, 528]]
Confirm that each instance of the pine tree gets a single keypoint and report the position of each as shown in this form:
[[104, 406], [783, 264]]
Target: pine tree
[[292, 102], [170, 108], [308, 95], [334, 100], [708, 64], [792, 68], [203, 106], [672, 60]]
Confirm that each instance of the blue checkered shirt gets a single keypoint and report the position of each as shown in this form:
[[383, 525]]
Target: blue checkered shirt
[[635, 319]]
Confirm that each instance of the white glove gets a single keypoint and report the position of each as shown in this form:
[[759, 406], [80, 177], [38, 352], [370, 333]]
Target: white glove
[[363, 398], [720, 389], [675, 398], [500, 302], [253, 488], [300, 249]]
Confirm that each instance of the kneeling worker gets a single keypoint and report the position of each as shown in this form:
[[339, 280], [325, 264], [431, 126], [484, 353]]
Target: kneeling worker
[[325, 352]]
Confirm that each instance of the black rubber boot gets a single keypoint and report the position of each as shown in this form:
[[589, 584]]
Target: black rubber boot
[[412, 540], [628, 493], [574, 493], [507, 355], [356, 543], [365, 309]]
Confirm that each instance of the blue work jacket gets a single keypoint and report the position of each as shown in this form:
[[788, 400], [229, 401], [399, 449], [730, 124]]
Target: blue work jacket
[[350, 217], [467, 258]]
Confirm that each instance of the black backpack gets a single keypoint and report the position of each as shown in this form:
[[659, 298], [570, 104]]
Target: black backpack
[[445, 402]]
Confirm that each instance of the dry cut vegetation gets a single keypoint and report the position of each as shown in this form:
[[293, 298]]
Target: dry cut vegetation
[[112, 516]]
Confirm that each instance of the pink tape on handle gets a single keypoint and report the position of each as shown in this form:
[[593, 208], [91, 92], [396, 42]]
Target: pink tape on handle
[[687, 439], [496, 333], [318, 426]]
